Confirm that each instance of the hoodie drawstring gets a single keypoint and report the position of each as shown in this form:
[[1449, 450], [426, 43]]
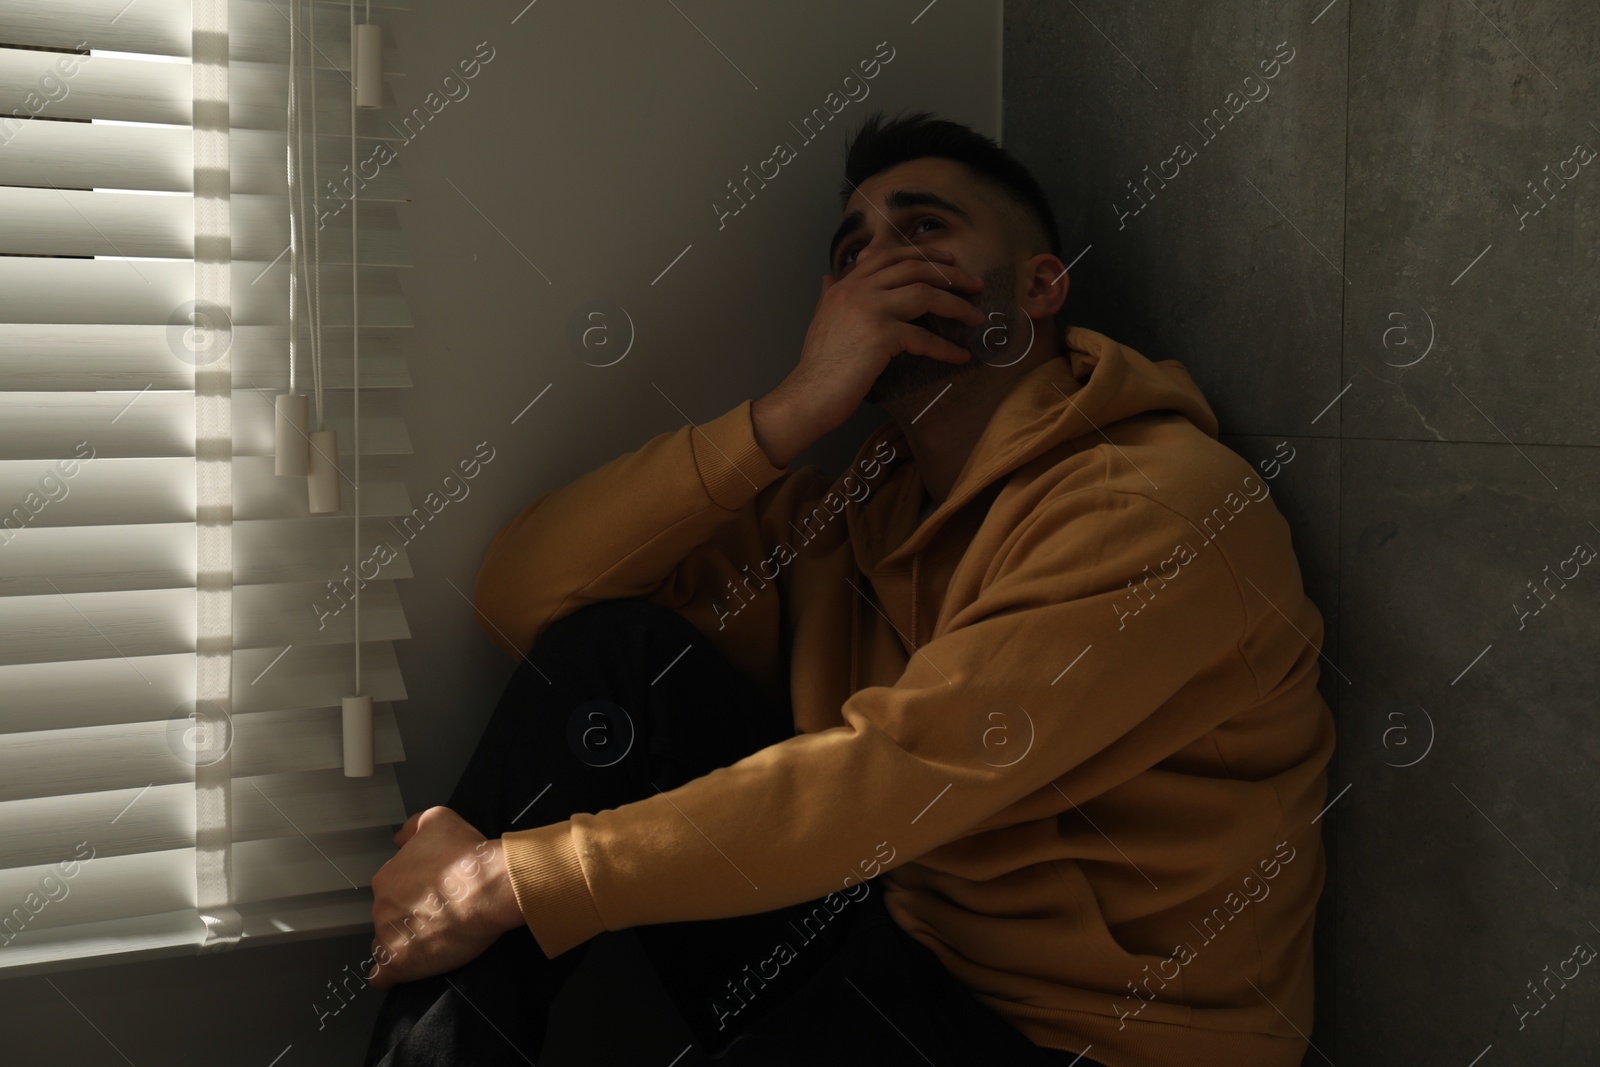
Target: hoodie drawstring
[[915, 560], [855, 609]]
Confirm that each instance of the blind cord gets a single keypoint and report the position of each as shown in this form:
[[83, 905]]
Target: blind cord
[[355, 333], [293, 162], [316, 238]]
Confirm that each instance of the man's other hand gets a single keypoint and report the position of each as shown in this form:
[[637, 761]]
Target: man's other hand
[[441, 900]]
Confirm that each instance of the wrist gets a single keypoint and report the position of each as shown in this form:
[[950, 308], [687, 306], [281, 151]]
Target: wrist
[[776, 428], [505, 910]]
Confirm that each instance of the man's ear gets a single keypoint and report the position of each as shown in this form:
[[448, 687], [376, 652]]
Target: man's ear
[[1048, 291]]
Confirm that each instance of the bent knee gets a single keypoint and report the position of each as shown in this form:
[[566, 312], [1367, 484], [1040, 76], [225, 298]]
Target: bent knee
[[609, 623]]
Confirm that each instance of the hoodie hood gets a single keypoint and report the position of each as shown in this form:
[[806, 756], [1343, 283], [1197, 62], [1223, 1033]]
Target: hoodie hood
[[1095, 383]]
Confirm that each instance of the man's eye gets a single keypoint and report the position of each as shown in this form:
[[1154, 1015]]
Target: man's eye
[[847, 257]]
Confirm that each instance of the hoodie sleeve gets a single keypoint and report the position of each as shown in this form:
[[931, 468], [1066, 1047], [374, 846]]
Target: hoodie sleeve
[[1049, 665], [661, 524]]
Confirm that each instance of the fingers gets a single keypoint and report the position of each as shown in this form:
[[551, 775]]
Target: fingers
[[936, 258], [904, 265], [413, 824], [920, 298], [409, 830], [920, 342], [910, 272]]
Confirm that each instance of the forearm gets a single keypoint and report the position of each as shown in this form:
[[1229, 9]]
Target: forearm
[[619, 531], [781, 431]]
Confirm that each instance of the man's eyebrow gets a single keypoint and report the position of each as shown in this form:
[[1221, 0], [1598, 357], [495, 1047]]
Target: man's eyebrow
[[899, 200]]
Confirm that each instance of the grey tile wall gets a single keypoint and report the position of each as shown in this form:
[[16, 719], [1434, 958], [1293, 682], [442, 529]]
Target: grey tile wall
[[1388, 258]]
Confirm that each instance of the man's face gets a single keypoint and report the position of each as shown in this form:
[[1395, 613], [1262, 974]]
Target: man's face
[[934, 202]]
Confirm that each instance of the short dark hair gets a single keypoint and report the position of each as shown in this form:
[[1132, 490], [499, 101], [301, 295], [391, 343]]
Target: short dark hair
[[877, 146]]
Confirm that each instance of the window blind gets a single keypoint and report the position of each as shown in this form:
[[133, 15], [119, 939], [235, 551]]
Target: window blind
[[171, 777]]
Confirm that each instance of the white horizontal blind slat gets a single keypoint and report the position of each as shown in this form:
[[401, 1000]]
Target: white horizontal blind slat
[[94, 87], [87, 559], [161, 27], [57, 358], [40, 425], [120, 491], [309, 795], [81, 222], [81, 155], [152, 622], [155, 90], [152, 292], [97, 692]]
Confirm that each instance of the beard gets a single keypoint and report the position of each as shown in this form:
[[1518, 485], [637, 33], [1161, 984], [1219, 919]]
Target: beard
[[908, 373]]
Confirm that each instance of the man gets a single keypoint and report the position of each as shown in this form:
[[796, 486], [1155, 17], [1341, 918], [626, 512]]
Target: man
[[1045, 670]]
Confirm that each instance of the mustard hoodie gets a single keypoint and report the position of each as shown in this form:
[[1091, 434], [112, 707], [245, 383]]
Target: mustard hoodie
[[1070, 717]]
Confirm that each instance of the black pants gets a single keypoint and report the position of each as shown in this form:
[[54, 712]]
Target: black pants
[[617, 701]]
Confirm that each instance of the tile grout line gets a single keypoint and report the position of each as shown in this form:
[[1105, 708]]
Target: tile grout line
[[1338, 539]]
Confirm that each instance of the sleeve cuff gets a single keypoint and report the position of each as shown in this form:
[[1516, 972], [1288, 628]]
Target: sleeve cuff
[[551, 889], [731, 463]]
